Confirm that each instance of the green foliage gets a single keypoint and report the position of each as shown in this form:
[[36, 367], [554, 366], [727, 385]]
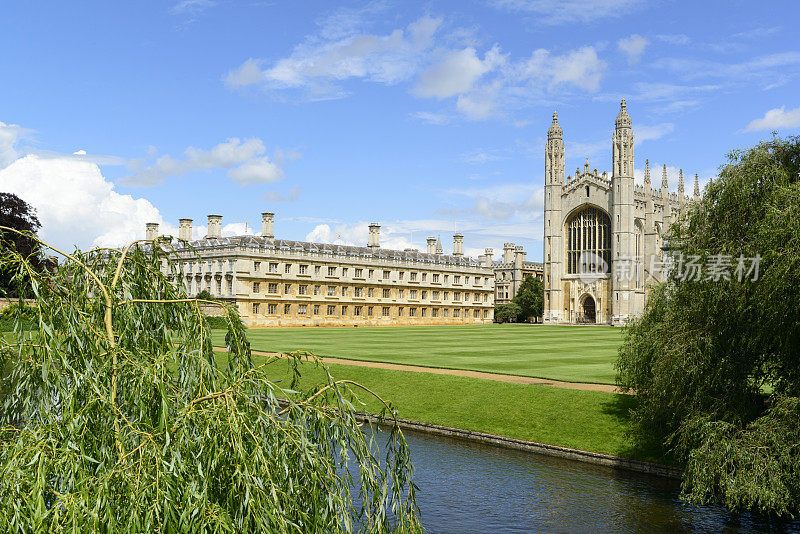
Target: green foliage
[[530, 298], [205, 295], [17, 316], [18, 214], [117, 417], [704, 353], [216, 322], [752, 468], [507, 313]]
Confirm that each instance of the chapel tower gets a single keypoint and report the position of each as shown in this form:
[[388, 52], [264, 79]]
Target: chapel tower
[[554, 165], [623, 264]]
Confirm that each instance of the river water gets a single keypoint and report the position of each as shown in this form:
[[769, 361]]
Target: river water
[[468, 487]]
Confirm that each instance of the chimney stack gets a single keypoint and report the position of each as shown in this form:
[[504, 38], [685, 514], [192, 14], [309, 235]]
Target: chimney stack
[[374, 236], [458, 245], [267, 220], [431, 245], [214, 226], [185, 229], [151, 231]]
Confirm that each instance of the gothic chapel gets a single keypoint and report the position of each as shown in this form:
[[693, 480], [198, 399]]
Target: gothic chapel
[[603, 235]]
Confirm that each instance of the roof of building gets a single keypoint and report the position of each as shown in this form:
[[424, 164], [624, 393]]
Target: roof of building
[[326, 248]]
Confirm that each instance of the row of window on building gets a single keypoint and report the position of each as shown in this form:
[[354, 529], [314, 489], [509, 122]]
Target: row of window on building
[[366, 311], [371, 274], [344, 291], [189, 267]]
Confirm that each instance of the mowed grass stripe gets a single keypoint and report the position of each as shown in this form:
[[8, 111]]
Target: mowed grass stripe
[[586, 420], [568, 353]]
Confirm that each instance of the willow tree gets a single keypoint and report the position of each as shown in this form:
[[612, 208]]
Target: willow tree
[[715, 359], [117, 415]]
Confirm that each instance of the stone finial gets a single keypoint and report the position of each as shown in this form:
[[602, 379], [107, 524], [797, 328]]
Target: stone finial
[[696, 186], [439, 249], [555, 131], [680, 184], [664, 181], [623, 119], [647, 173]]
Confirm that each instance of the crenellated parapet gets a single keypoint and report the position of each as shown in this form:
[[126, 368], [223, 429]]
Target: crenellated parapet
[[587, 176]]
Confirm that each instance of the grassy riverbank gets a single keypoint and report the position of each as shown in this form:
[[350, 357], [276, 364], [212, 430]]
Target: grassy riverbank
[[569, 353], [586, 420]]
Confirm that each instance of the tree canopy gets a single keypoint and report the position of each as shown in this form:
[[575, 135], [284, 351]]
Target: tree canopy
[[715, 360], [530, 298], [18, 214], [117, 415]]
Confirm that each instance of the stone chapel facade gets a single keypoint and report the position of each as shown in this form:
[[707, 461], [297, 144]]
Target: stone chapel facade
[[603, 235]]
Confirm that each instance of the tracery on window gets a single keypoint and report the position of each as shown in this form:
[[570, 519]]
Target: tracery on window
[[589, 242]]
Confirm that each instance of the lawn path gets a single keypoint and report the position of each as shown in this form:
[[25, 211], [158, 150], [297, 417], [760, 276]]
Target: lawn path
[[585, 386]]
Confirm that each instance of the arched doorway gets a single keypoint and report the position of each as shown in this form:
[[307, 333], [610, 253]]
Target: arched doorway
[[589, 314]]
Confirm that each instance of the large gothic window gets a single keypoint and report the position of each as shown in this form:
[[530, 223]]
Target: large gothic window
[[589, 242]]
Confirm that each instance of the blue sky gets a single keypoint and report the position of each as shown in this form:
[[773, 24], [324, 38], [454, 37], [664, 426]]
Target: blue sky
[[422, 116]]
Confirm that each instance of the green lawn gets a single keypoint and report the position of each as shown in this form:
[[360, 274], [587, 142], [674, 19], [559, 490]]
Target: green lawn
[[586, 420], [570, 353]]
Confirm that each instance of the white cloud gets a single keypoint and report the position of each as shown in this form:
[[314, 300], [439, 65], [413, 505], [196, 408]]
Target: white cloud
[[581, 67], [248, 73], [431, 118], [480, 156], [10, 135], [75, 203], [767, 66], [324, 60], [653, 132], [244, 160], [191, 6], [457, 72], [505, 201], [776, 119], [674, 38], [568, 11], [633, 47], [274, 196], [484, 83]]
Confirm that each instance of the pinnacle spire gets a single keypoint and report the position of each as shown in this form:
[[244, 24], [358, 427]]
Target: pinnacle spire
[[555, 128], [439, 249], [664, 181], [647, 172], [696, 186], [623, 119], [680, 183]]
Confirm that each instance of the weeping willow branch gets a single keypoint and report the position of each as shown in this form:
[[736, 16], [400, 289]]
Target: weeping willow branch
[[198, 444]]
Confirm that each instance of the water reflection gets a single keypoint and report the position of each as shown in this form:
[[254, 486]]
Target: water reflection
[[467, 487]]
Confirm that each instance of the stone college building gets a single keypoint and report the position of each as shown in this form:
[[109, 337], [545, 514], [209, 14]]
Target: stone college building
[[603, 234], [277, 282]]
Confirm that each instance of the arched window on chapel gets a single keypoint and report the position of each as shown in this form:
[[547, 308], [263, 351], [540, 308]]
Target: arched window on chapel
[[589, 242]]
